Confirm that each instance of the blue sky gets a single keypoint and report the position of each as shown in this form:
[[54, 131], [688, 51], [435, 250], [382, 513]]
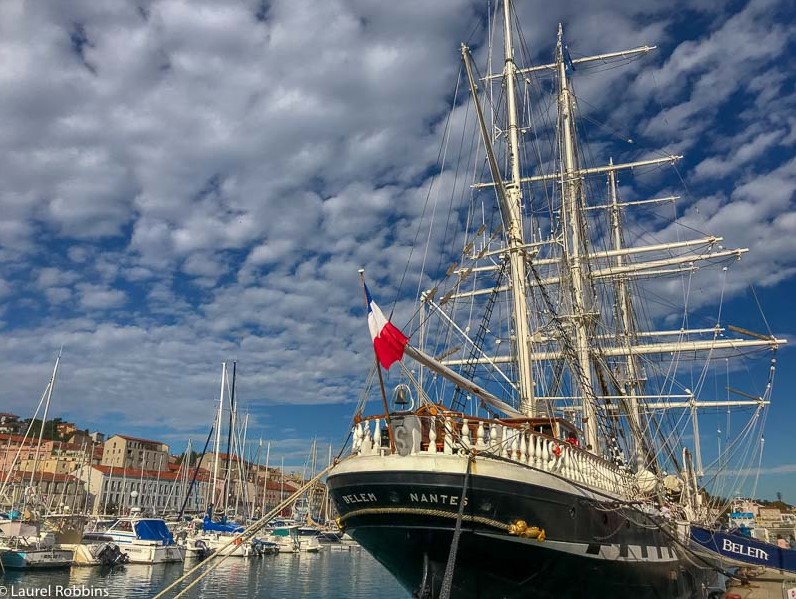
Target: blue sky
[[191, 182]]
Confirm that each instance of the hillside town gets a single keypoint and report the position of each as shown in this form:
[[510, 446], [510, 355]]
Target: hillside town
[[74, 470]]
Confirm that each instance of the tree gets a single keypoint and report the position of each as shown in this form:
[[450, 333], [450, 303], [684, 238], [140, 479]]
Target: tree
[[50, 429], [194, 457]]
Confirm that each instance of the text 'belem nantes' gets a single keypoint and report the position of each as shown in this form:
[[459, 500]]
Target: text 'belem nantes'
[[359, 498], [435, 498]]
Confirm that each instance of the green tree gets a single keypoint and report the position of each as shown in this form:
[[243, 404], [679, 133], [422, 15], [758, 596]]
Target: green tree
[[193, 460]]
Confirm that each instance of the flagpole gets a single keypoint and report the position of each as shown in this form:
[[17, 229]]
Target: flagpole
[[381, 377]]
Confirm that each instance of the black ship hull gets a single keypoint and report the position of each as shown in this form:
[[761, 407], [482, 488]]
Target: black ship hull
[[595, 546]]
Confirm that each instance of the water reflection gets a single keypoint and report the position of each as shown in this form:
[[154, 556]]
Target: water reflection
[[325, 575]]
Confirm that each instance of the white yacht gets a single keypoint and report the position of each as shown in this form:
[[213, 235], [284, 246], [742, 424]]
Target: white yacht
[[143, 540]]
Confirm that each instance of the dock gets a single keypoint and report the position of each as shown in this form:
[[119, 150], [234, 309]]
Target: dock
[[764, 583]]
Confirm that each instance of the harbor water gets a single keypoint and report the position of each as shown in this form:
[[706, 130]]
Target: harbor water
[[327, 574]]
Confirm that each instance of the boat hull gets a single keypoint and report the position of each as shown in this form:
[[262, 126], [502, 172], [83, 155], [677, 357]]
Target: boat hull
[[143, 552], [594, 546], [737, 550], [96, 554], [21, 559], [225, 545]]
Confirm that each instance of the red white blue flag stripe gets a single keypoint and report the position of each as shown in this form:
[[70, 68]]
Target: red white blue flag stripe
[[388, 341]]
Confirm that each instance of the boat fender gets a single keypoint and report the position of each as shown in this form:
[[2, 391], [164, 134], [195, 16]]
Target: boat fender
[[556, 449]]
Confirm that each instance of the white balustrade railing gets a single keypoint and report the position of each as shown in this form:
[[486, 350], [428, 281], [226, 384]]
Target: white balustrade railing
[[526, 447]]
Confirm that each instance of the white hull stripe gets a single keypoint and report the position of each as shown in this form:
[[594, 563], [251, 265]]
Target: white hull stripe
[[634, 553], [454, 464]]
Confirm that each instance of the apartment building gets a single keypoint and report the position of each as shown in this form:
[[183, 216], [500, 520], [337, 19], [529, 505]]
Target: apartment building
[[114, 490], [121, 451], [57, 492]]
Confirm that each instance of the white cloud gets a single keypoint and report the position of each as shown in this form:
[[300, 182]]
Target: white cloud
[[94, 297], [194, 184], [52, 277], [714, 168]]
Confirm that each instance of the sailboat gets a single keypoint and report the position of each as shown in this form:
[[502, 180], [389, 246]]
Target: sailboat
[[23, 543], [216, 533], [531, 447]]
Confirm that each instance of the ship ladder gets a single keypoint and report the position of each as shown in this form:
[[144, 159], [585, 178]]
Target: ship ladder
[[468, 369]]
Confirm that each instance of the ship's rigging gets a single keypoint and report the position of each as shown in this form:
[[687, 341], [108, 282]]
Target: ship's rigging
[[574, 343], [553, 378]]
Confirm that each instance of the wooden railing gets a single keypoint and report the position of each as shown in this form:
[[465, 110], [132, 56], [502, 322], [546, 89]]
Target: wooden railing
[[452, 434]]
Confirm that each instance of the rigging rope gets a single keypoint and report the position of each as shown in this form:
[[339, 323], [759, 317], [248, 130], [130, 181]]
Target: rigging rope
[[213, 560], [447, 580]]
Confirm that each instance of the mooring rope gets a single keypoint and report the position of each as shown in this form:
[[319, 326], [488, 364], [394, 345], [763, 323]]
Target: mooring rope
[[238, 539], [447, 580]]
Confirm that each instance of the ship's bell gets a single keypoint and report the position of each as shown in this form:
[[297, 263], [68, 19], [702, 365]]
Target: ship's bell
[[401, 398]]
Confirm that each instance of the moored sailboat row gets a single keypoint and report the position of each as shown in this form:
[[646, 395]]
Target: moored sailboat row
[[35, 537]]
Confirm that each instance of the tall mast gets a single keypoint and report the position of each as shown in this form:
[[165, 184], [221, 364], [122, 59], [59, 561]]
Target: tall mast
[[573, 220], [214, 489], [695, 423], [265, 480], [44, 417], [421, 340], [514, 230], [631, 384], [232, 424]]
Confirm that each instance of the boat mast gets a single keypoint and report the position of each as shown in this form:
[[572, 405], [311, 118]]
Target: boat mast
[[214, 489], [44, 417], [509, 194], [232, 424], [421, 340], [697, 445], [514, 228], [573, 220], [631, 385], [242, 489], [186, 471], [265, 480]]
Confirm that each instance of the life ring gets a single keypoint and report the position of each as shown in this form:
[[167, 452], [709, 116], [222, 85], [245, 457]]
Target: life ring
[[556, 449]]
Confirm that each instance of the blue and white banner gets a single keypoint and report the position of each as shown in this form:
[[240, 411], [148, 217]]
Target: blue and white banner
[[745, 550]]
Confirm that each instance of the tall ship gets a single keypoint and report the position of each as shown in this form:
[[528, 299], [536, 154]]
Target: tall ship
[[538, 434]]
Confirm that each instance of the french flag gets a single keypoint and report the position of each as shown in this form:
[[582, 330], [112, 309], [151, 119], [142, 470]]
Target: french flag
[[388, 341]]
